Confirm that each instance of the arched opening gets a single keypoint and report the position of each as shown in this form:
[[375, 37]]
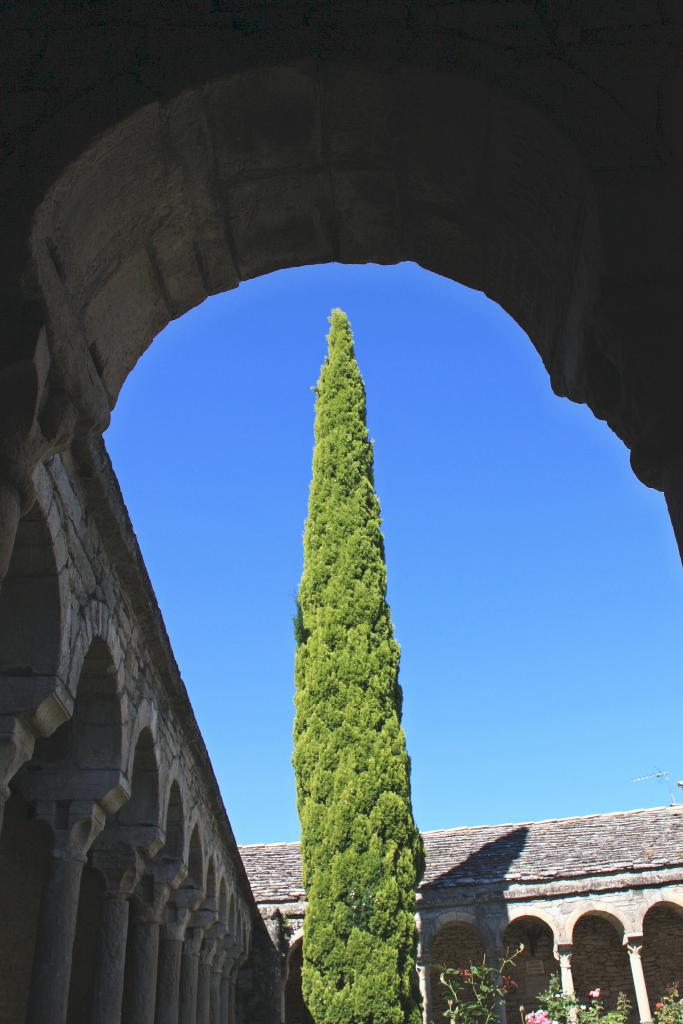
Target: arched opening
[[232, 918], [30, 610], [195, 877], [235, 179], [90, 741], [457, 944], [172, 849], [143, 806], [223, 908], [211, 882], [80, 760], [662, 949], [600, 959], [296, 1011], [535, 966], [31, 633]]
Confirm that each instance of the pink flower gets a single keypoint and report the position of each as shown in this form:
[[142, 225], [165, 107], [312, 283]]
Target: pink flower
[[539, 1017], [595, 994]]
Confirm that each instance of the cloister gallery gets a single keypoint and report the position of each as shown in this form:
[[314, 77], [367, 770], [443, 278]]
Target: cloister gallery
[[154, 155]]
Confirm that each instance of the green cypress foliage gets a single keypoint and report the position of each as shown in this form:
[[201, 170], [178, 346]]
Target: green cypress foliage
[[361, 852]]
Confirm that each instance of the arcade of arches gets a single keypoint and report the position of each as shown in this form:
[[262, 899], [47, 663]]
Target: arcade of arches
[[156, 154], [597, 901], [122, 891]]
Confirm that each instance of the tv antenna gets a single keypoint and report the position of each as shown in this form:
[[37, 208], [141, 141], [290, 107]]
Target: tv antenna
[[659, 774]]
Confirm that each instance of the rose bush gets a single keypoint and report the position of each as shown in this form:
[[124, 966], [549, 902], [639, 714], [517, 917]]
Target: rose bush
[[475, 992]]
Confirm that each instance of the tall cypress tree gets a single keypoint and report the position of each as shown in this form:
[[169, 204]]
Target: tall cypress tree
[[362, 854]]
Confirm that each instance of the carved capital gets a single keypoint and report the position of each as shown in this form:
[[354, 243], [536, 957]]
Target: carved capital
[[212, 942], [193, 941], [180, 910], [205, 917], [563, 952], [63, 782], [119, 855], [16, 747], [74, 824], [634, 945]]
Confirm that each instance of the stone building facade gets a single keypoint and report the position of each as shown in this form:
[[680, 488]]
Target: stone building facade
[[122, 893], [597, 900]]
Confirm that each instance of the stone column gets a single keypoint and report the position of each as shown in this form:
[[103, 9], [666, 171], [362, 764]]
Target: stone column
[[234, 974], [189, 967], [143, 957], [563, 954], [216, 1008], [634, 945], [424, 974], [149, 902], [206, 956], [110, 963], [231, 949], [200, 921], [177, 916], [168, 979], [74, 828], [225, 996], [118, 857]]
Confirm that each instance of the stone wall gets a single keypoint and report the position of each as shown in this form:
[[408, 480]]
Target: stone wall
[[105, 771], [456, 945], [600, 961], [663, 948]]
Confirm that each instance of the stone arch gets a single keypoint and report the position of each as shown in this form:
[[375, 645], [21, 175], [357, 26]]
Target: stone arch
[[82, 760], [600, 959], [552, 923], [230, 919], [232, 179], [30, 603], [143, 808], [458, 942], [174, 824], [672, 898], [96, 624], [613, 915], [536, 964], [223, 905], [91, 742], [195, 861], [662, 952], [211, 889]]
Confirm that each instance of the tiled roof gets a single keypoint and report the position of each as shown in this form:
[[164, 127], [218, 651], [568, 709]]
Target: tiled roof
[[597, 844]]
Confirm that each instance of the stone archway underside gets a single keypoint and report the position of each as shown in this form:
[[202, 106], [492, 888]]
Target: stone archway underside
[[532, 153]]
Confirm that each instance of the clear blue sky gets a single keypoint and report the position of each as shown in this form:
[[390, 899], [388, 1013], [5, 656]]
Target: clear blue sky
[[535, 586]]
